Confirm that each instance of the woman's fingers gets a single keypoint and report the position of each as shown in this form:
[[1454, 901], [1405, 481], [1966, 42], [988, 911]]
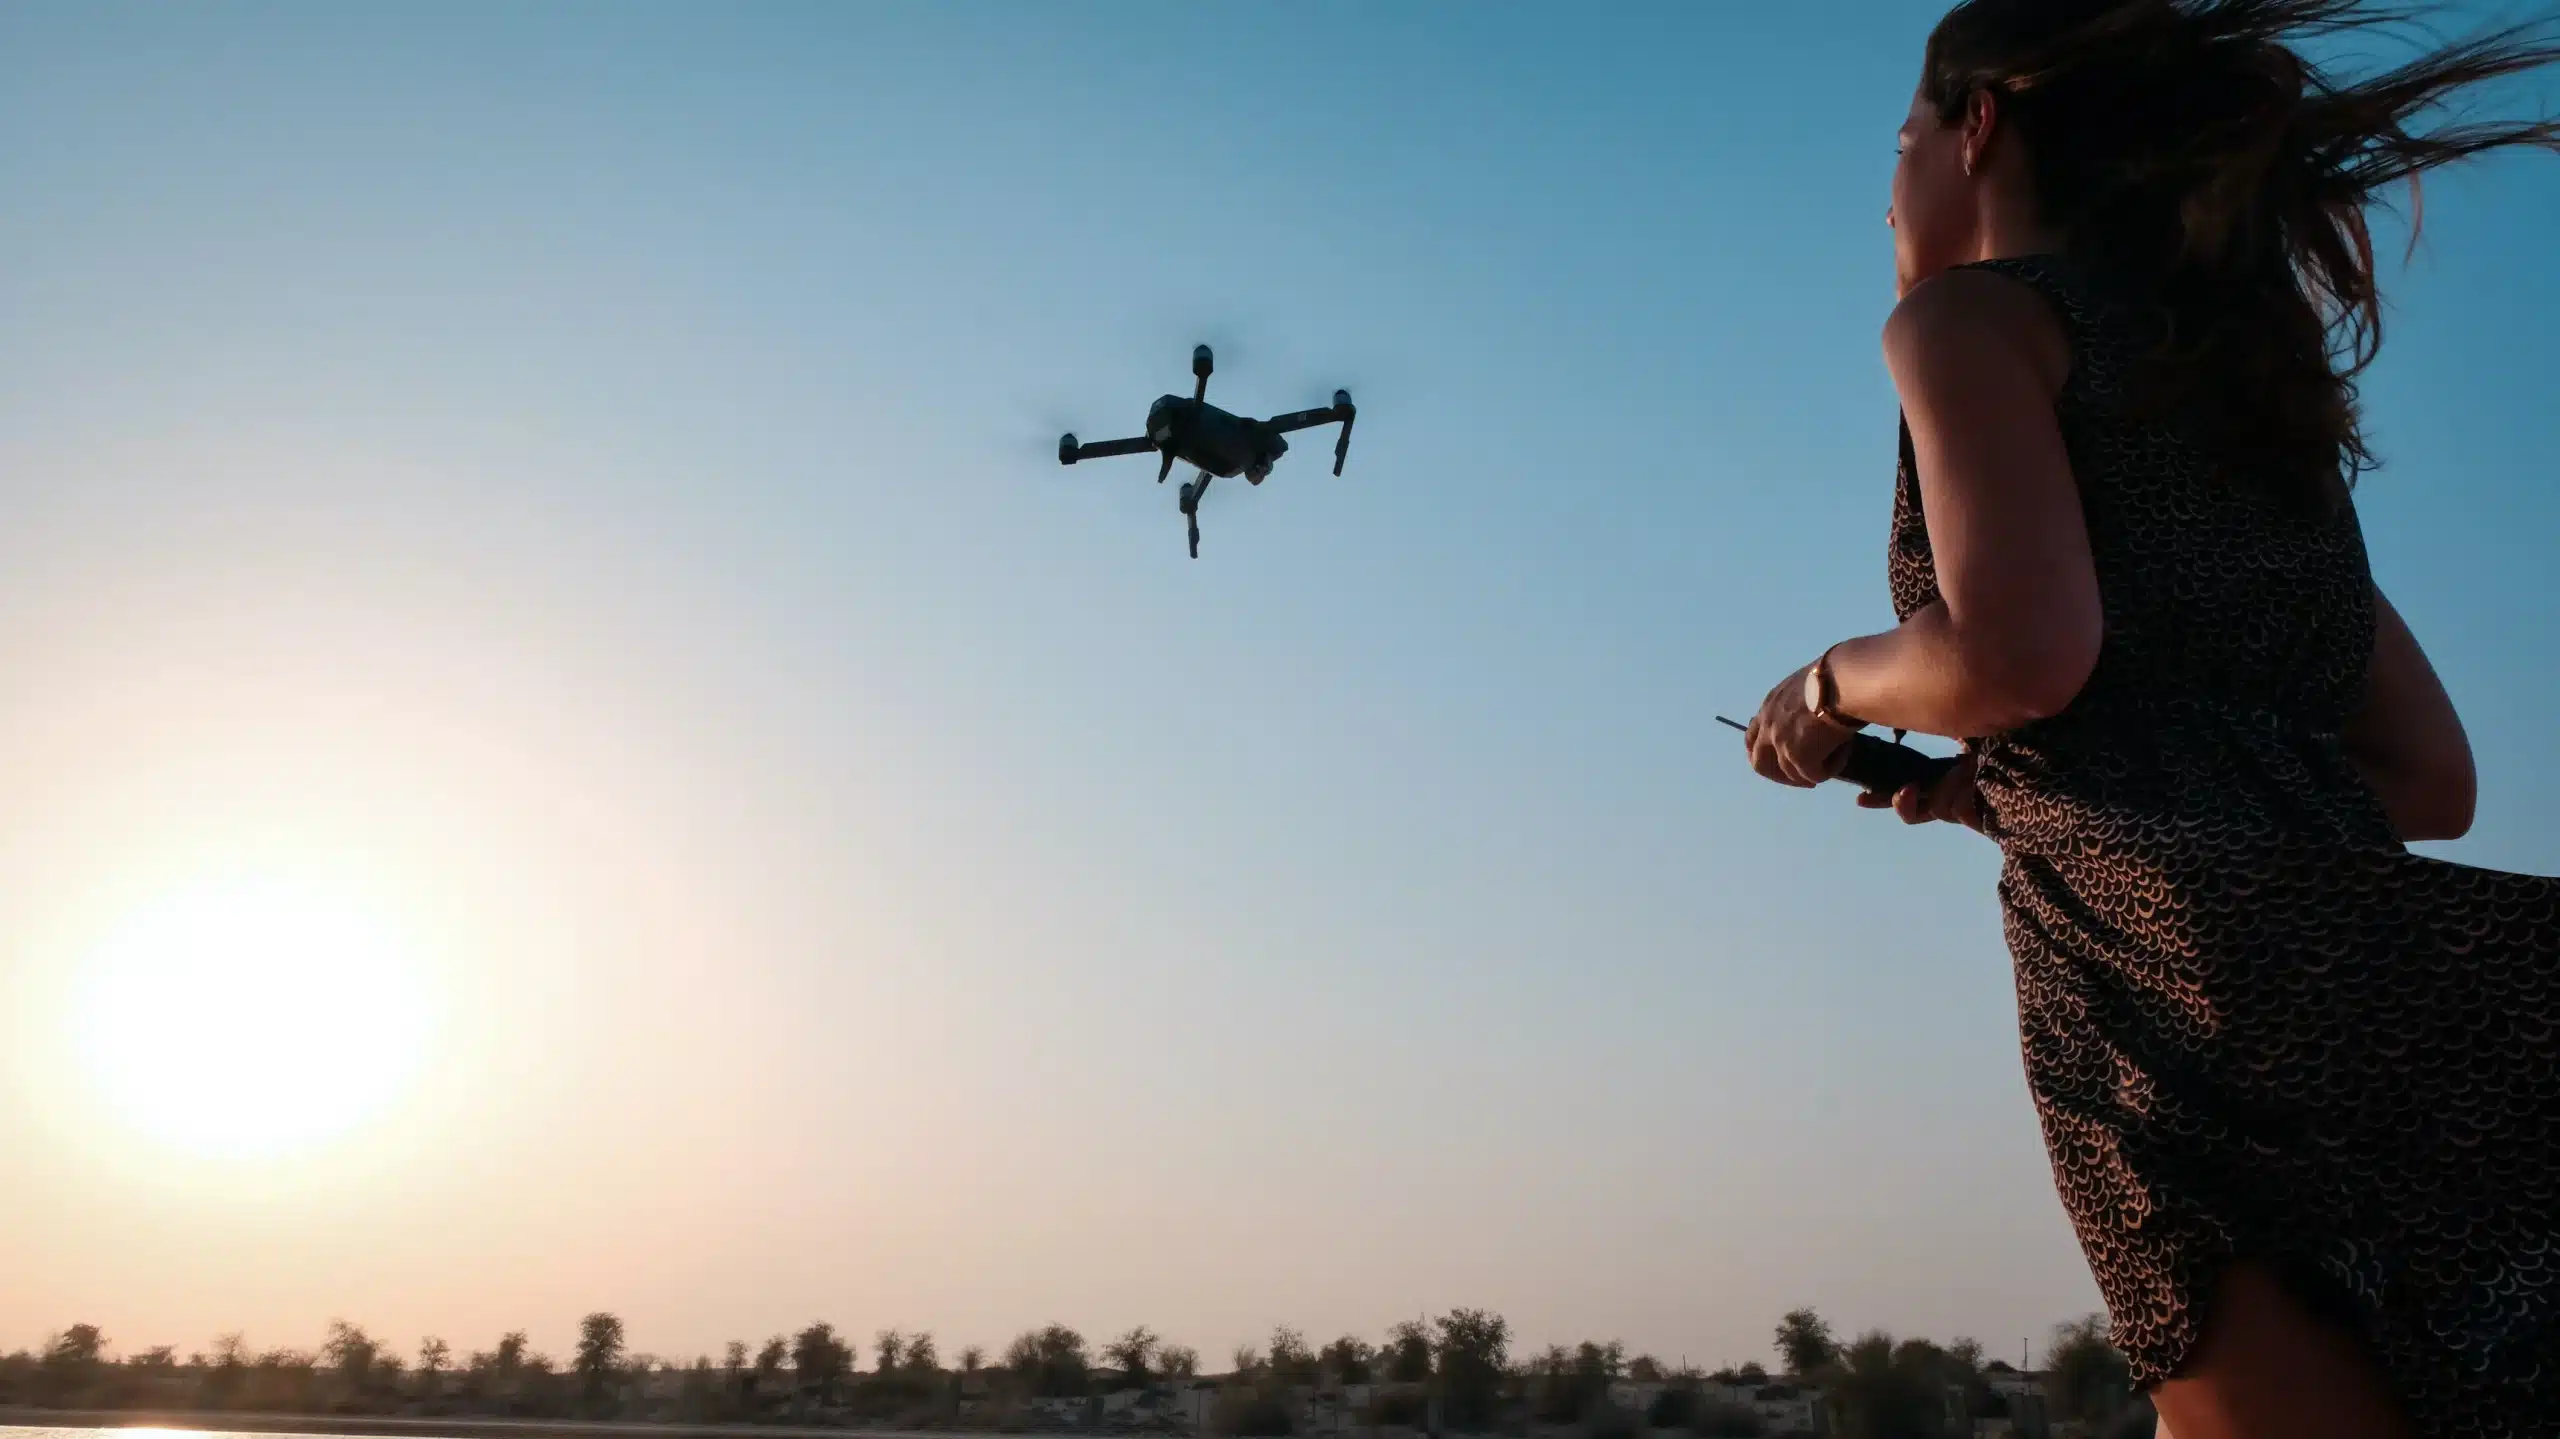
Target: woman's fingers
[[1953, 797], [1951, 801], [1836, 760], [1771, 762], [1795, 770], [1768, 759]]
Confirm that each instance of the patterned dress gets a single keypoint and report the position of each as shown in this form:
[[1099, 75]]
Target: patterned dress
[[2254, 1025]]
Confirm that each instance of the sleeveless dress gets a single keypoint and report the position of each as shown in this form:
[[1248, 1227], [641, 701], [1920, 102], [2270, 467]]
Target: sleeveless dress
[[2254, 1024]]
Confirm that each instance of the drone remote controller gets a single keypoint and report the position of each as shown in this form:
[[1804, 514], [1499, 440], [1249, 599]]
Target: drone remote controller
[[1884, 767]]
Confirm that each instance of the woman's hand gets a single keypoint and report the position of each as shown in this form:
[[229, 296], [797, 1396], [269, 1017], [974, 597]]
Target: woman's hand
[[1789, 743], [1949, 800]]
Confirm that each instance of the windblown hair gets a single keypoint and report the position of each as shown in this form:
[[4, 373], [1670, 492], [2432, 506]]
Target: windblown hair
[[2188, 152]]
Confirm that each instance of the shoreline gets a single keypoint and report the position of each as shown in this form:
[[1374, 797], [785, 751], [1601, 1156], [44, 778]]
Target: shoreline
[[455, 1427]]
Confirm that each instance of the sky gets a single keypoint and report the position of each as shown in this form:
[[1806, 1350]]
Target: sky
[[575, 486]]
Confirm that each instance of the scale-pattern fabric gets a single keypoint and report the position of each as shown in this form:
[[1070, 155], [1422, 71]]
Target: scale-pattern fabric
[[2254, 1024]]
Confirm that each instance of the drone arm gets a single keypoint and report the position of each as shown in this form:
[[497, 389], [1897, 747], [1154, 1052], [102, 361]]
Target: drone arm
[[1305, 419], [1069, 451], [1341, 410]]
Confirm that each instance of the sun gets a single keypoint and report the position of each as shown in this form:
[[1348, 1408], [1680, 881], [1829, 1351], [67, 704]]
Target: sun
[[246, 1018]]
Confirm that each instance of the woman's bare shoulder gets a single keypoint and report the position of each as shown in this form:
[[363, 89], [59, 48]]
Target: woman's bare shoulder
[[1962, 316]]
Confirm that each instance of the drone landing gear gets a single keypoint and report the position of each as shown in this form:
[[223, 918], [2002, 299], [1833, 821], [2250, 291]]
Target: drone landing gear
[[1192, 490]]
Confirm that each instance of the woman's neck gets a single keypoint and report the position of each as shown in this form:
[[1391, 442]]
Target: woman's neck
[[2007, 226]]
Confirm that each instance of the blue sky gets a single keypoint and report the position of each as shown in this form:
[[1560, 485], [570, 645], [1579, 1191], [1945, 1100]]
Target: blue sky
[[594, 466]]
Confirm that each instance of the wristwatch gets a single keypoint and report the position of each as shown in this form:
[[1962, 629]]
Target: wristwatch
[[1822, 696]]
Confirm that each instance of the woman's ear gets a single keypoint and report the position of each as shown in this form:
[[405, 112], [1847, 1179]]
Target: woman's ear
[[1981, 119]]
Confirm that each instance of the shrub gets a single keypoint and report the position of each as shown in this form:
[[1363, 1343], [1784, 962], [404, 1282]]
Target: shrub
[[1611, 1421], [1728, 1421], [1251, 1412], [1400, 1407], [1674, 1408]]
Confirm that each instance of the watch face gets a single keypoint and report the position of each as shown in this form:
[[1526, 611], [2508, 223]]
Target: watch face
[[1813, 689]]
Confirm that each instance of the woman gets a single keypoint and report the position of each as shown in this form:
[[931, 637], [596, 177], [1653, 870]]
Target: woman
[[2300, 1088]]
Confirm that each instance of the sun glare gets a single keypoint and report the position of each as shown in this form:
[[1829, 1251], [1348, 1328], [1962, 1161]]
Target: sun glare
[[245, 1019]]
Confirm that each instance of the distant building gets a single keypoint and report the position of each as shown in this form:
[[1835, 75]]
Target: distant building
[[1636, 1395], [2023, 1391], [1785, 1405]]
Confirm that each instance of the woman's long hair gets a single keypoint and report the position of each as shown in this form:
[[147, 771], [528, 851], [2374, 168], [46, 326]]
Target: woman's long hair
[[2188, 152]]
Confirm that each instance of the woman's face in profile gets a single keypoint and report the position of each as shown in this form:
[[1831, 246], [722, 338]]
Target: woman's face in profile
[[1932, 214]]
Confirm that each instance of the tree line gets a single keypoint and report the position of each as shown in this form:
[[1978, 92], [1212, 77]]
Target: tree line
[[1453, 1373]]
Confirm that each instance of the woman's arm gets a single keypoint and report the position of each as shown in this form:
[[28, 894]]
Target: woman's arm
[[1978, 359], [2407, 741]]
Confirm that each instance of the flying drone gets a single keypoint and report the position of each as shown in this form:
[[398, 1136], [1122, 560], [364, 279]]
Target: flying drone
[[1217, 444]]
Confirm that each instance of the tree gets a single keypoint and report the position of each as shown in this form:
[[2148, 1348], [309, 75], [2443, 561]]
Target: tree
[[1572, 1385], [1552, 1394], [510, 1356], [230, 1364], [1178, 1361], [80, 1346], [972, 1359], [821, 1360], [891, 1347], [1887, 1391], [1752, 1374], [1407, 1355], [1247, 1359], [1050, 1362], [1348, 1360], [768, 1374], [1291, 1361], [922, 1357], [2087, 1378], [71, 1362], [282, 1379], [538, 1387], [1134, 1354], [433, 1355], [157, 1357], [599, 1359], [1645, 1369], [1471, 1354], [1805, 1342], [698, 1398], [350, 1352], [1600, 1361]]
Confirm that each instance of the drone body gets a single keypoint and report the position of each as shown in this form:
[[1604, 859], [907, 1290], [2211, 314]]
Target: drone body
[[1217, 444]]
